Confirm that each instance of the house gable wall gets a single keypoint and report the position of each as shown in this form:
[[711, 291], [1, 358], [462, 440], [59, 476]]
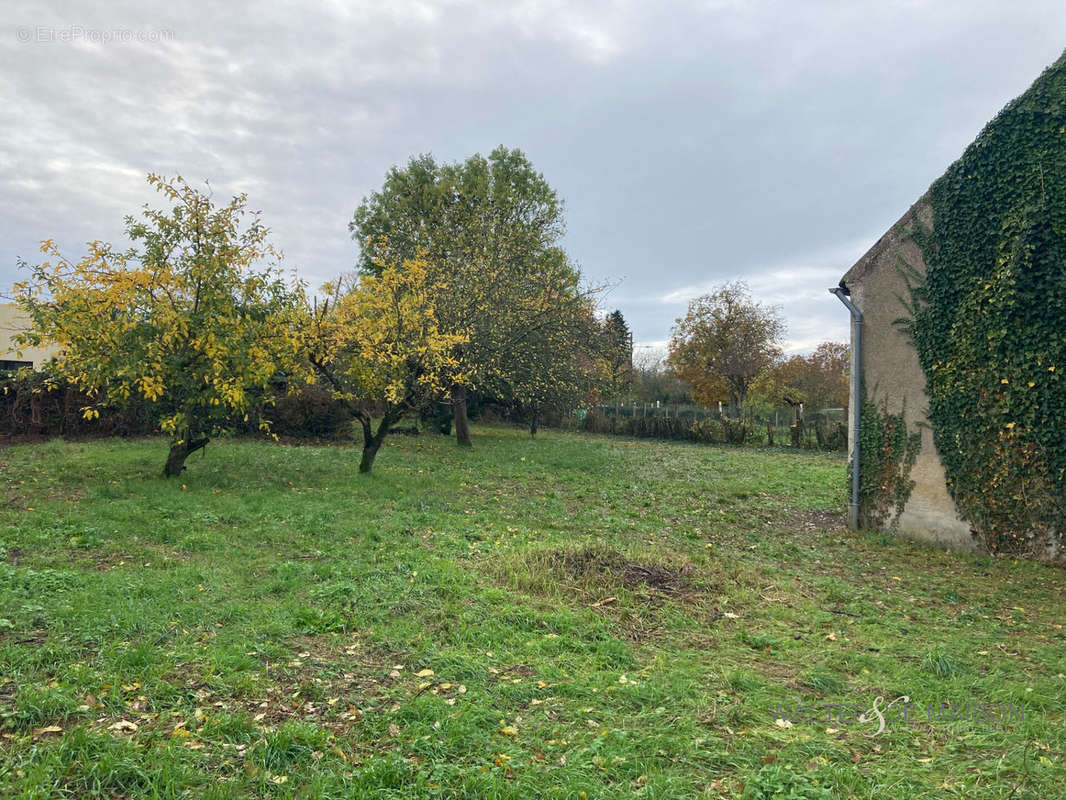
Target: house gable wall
[[893, 378]]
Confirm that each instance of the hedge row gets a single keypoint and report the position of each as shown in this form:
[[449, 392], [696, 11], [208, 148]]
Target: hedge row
[[39, 405], [829, 435]]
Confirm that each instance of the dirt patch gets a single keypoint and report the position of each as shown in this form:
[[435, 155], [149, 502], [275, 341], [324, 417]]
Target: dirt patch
[[636, 593], [815, 521], [591, 564]]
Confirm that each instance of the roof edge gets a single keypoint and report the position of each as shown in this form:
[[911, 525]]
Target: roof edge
[[920, 213]]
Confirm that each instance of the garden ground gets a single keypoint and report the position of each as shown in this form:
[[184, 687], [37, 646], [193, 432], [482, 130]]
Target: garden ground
[[571, 617]]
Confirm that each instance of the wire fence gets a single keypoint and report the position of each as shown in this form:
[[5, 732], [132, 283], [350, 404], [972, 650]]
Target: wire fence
[[790, 426]]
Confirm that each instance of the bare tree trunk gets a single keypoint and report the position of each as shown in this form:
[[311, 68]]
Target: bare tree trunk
[[370, 452], [181, 450], [534, 420], [372, 441], [462, 424]]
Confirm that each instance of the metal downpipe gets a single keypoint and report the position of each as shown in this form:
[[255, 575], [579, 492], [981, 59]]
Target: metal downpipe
[[842, 292]]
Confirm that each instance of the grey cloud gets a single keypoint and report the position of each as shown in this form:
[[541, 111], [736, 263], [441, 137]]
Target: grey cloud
[[693, 143]]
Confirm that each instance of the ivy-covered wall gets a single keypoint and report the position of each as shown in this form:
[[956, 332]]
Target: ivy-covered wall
[[989, 322], [965, 299], [888, 451]]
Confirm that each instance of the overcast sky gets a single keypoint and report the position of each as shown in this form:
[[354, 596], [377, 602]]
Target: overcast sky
[[693, 143]]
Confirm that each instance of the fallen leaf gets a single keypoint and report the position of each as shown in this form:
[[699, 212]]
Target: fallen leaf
[[123, 725]]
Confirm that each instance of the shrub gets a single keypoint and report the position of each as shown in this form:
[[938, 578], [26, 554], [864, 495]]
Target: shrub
[[42, 404], [309, 411], [708, 431], [735, 431], [597, 422]]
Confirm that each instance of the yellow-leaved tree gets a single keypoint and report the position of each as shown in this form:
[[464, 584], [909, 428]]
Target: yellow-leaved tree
[[379, 349], [194, 317]]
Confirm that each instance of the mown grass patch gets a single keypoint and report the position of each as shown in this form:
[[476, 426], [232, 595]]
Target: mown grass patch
[[543, 618]]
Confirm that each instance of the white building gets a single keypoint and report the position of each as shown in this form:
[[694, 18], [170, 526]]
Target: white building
[[14, 320]]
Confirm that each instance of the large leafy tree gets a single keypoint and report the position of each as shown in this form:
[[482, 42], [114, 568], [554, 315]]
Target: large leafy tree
[[819, 380], [562, 363], [829, 368], [654, 379], [724, 341], [378, 348], [193, 317], [489, 231]]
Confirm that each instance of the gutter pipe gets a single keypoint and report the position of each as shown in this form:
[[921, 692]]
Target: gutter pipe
[[842, 292]]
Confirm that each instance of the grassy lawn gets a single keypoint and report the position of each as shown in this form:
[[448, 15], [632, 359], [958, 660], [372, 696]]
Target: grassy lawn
[[571, 617]]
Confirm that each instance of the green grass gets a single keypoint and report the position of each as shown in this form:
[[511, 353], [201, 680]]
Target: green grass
[[570, 617]]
